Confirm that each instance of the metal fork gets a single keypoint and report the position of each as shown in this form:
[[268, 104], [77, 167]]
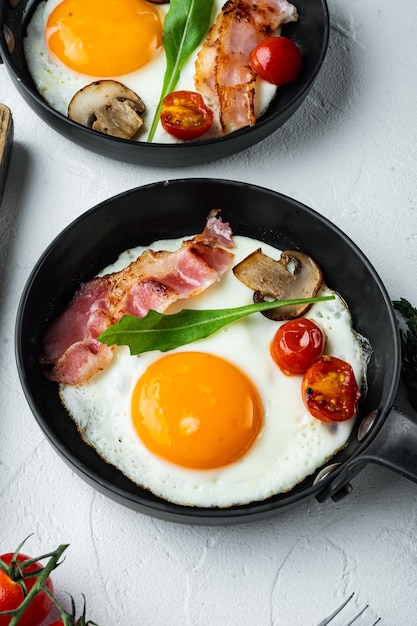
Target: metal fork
[[329, 618]]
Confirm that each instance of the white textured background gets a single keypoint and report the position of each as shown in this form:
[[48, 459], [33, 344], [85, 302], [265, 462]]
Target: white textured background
[[349, 153]]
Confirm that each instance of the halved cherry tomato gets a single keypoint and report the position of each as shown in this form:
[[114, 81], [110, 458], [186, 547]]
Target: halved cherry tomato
[[330, 391], [11, 593], [185, 115], [296, 345], [277, 60]]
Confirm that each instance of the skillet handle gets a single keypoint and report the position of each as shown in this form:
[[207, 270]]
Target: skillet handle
[[394, 447]]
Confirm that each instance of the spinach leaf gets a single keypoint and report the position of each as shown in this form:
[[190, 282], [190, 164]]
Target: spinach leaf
[[186, 23], [408, 348]]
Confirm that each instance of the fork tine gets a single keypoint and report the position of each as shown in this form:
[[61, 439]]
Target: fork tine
[[356, 616], [329, 618]]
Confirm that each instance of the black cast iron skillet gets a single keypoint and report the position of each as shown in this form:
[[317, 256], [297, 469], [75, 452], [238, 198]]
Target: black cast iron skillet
[[179, 207], [311, 33]]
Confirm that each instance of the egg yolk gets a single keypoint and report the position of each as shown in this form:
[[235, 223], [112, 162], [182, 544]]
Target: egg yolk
[[104, 37], [196, 410]]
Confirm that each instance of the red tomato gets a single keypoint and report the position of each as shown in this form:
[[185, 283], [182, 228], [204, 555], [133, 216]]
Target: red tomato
[[185, 115], [11, 594], [330, 391], [277, 60], [296, 345]]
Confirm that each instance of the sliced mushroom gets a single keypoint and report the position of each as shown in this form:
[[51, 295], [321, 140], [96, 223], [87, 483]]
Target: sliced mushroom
[[108, 107], [294, 275]]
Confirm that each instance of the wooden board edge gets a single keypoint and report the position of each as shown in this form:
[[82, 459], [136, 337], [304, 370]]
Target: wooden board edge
[[6, 140]]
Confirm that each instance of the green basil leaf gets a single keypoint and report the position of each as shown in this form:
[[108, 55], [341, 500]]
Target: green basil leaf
[[157, 331], [186, 23]]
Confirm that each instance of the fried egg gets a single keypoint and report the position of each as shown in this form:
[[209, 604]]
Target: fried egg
[[71, 43], [215, 422]]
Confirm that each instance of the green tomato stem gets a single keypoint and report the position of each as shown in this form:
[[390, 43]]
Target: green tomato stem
[[40, 584]]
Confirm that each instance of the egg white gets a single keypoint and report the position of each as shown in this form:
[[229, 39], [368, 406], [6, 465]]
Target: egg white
[[292, 444], [57, 83]]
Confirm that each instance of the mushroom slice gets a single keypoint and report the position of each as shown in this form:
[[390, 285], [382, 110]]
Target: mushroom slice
[[108, 107], [295, 275]]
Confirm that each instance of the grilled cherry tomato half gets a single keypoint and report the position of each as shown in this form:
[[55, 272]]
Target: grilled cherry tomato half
[[330, 391], [11, 592], [277, 60], [185, 115], [296, 345]]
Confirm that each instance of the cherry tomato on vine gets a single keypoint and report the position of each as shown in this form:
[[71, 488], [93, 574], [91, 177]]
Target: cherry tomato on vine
[[277, 60], [185, 115], [329, 389], [296, 345], [11, 592]]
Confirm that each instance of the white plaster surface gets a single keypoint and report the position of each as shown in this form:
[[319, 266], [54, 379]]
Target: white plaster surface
[[350, 153]]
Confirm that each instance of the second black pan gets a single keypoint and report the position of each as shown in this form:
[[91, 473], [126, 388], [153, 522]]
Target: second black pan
[[310, 33]]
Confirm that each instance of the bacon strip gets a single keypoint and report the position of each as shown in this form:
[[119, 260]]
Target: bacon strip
[[154, 281], [223, 75]]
